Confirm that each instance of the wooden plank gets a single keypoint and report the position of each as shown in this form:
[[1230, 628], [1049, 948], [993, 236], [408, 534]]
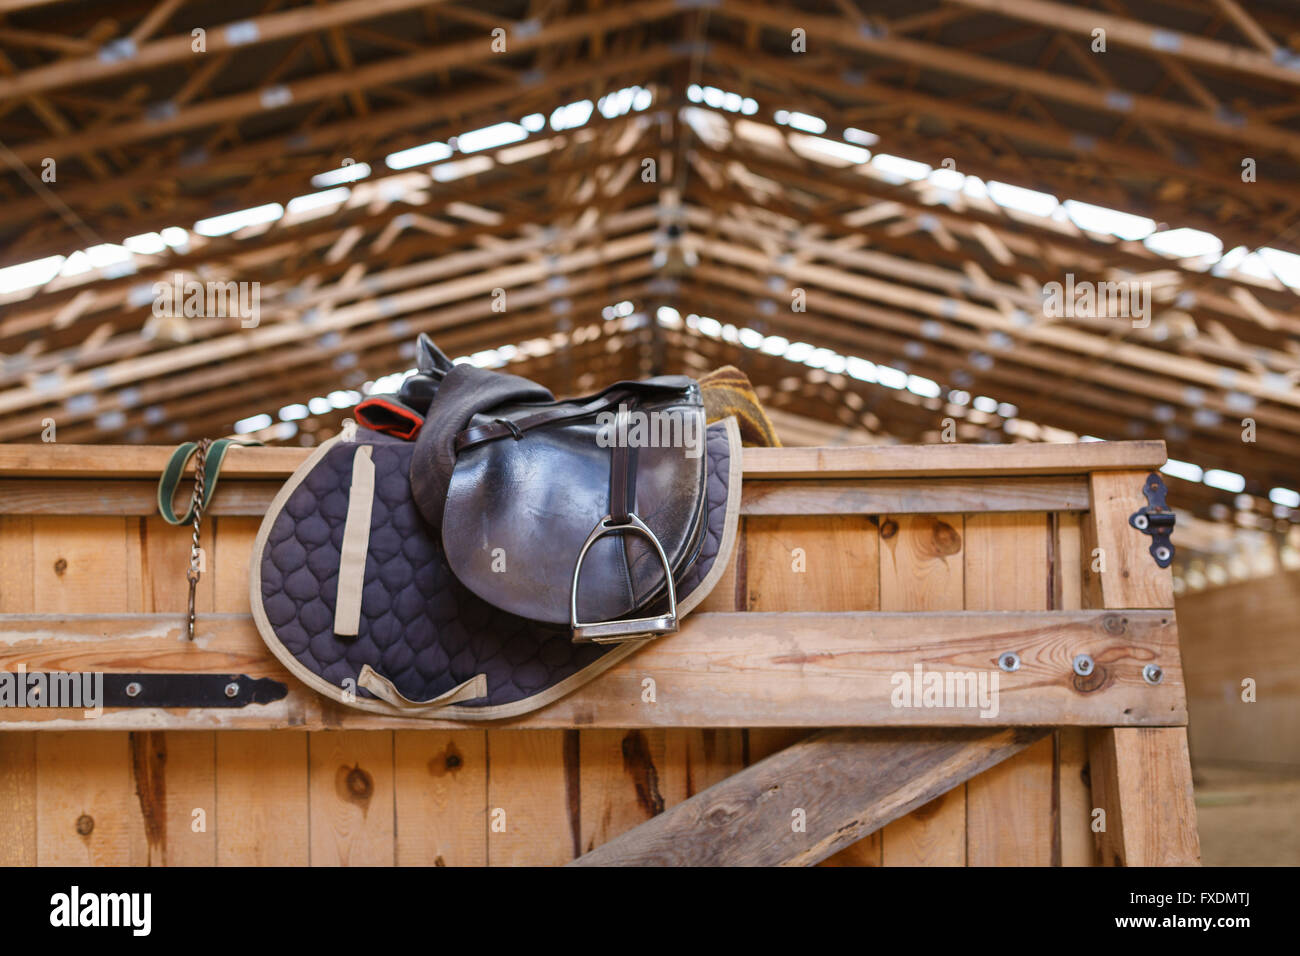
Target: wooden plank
[[1141, 778], [729, 593], [627, 776], [251, 498], [262, 800], [1009, 809], [125, 497], [18, 799], [17, 565], [1130, 577], [923, 570], [899, 496], [17, 750], [696, 759], [88, 813], [184, 766], [48, 461], [175, 772], [933, 834], [164, 561], [620, 786], [811, 563], [871, 461], [921, 564], [758, 742], [1074, 798], [351, 798], [914, 461], [630, 776], [232, 553], [440, 781], [802, 804], [723, 669], [532, 798], [81, 564], [1006, 563], [1067, 562], [1009, 819]]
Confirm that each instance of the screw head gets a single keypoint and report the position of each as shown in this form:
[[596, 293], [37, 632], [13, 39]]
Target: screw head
[[1009, 661], [1083, 665], [133, 689], [1162, 553], [1140, 522], [232, 689], [1153, 674]]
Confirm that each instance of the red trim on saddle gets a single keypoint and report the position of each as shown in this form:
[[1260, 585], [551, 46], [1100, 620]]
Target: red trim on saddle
[[396, 420]]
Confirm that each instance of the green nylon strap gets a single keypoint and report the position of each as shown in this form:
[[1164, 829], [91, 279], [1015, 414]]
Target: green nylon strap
[[171, 476]]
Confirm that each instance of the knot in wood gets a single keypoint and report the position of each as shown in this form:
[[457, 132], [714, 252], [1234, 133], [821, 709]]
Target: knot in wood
[[359, 782]]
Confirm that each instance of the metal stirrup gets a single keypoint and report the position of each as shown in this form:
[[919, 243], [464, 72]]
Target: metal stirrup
[[617, 631]]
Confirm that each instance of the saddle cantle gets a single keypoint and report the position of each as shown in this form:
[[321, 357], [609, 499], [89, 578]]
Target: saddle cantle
[[477, 548]]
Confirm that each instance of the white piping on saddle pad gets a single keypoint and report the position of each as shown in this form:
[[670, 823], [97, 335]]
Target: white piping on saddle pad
[[356, 542]]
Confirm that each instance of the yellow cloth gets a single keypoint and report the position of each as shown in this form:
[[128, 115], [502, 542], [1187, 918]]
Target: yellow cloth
[[727, 391]]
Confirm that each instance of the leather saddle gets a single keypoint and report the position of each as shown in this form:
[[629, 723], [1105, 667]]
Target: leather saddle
[[478, 548], [555, 511]]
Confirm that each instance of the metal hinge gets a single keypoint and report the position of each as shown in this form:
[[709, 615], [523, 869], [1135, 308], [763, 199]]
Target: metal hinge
[[158, 690], [1156, 520]]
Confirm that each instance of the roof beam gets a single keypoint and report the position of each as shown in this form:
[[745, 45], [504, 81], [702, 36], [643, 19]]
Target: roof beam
[[957, 62], [267, 28], [1225, 177], [1142, 36], [240, 106]]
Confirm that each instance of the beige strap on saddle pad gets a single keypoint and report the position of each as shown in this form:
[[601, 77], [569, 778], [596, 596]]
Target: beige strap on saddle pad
[[356, 542], [383, 688]]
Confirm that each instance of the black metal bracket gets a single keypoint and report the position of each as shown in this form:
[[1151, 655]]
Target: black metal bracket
[[173, 690], [1156, 520]]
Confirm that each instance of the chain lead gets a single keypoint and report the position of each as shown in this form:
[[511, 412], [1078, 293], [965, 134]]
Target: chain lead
[[192, 575]]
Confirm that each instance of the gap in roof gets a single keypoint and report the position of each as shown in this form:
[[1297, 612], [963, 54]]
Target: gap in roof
[[348, 173], [1266, 263], [877, 373]]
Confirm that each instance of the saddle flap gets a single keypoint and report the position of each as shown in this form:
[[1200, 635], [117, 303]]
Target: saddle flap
[[519, 510]]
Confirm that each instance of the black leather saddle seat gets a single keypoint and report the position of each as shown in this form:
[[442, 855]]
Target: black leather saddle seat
[[580, 513]]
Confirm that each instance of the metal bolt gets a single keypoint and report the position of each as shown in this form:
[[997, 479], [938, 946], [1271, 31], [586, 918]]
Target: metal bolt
[[232, 689], [1162, 553], [1140, 522], [1009, 661], [1083, 665], [133, 689], [1152, 674]]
